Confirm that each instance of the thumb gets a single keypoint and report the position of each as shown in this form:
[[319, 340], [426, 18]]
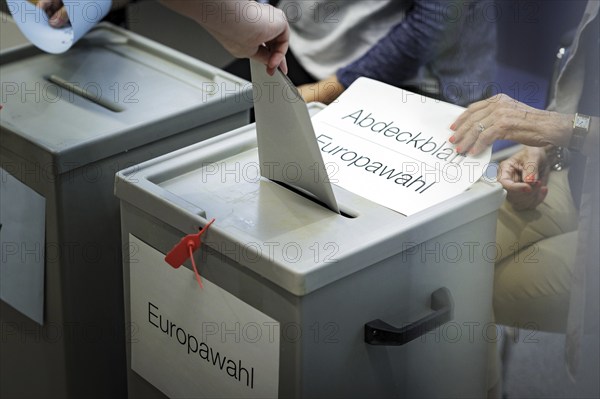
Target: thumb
[[532, 165], [59, 18]]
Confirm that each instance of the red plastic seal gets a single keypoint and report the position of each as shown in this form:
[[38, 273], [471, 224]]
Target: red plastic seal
[[185, 248]]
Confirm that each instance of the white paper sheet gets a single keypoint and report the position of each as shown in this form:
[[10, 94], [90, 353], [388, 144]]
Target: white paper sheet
[[22, 243], [286, 146], [33, 22], [391, 147], [192, 342]]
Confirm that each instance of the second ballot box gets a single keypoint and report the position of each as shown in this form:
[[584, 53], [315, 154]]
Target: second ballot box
[[69, 122], [296, 300]]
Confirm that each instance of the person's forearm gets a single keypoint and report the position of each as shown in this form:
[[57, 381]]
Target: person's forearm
[[247, 29], [409, 45]]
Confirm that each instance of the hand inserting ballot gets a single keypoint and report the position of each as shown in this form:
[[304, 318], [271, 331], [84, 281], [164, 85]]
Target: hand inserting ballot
[[246, 29]]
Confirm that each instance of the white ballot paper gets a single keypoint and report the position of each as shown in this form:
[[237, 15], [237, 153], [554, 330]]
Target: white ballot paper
[[33, 22], [287, 149], [391, 146]]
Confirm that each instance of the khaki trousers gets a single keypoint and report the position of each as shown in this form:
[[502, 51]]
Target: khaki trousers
[[536, 253], [532, 279]]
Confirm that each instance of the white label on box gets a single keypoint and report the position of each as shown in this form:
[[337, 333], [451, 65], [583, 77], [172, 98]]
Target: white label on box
[[23, 244], [189, 341]]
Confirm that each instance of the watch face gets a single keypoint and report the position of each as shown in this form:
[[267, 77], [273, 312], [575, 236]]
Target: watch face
[[582, 122]]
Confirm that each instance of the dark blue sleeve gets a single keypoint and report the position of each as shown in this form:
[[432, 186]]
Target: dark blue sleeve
[[408, 45]]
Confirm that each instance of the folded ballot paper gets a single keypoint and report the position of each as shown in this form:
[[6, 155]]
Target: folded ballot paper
[[381, 142], [287, 150], [34, 23]]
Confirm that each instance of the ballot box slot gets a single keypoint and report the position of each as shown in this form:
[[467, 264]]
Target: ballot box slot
[[81, 92], [303, 193]]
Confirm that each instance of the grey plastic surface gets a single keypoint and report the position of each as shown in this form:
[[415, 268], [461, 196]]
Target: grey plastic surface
[[68, 150], [372, 264], [10, 35], [219, 179], [126, 78]]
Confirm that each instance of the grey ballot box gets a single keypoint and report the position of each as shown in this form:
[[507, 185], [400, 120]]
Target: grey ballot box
[[380, 304], [69, 122]]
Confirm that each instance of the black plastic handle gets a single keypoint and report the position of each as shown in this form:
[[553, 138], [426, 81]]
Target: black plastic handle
[[378, 332]]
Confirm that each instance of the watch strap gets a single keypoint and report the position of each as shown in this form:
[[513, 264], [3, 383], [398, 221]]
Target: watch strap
[[581, 127]]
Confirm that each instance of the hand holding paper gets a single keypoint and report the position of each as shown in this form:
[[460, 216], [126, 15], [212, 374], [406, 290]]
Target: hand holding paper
[[52, 33], [391, 147], [287, 149], [55, 11], [246, 29]]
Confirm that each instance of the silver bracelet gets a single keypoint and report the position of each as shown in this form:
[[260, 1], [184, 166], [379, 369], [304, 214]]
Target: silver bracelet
[[560, 158]]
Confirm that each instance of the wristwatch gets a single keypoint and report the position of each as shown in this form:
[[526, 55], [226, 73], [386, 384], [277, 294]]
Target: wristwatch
[[581, 127]]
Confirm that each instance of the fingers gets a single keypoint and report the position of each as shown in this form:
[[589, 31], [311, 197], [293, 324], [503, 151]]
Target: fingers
[[542, 195], [263, 55], [519, 175], [477, 128], [273, 59], [276, 36], [529, 200], [56, 12], [470, 125], [278, 47], [501, 117], [478, 136], [515, 187], [264, 39], [276, 60], [531, 169], [475, 107], [47, 4], [523, 195], [283, 66], [59, 18], [510, 176]]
